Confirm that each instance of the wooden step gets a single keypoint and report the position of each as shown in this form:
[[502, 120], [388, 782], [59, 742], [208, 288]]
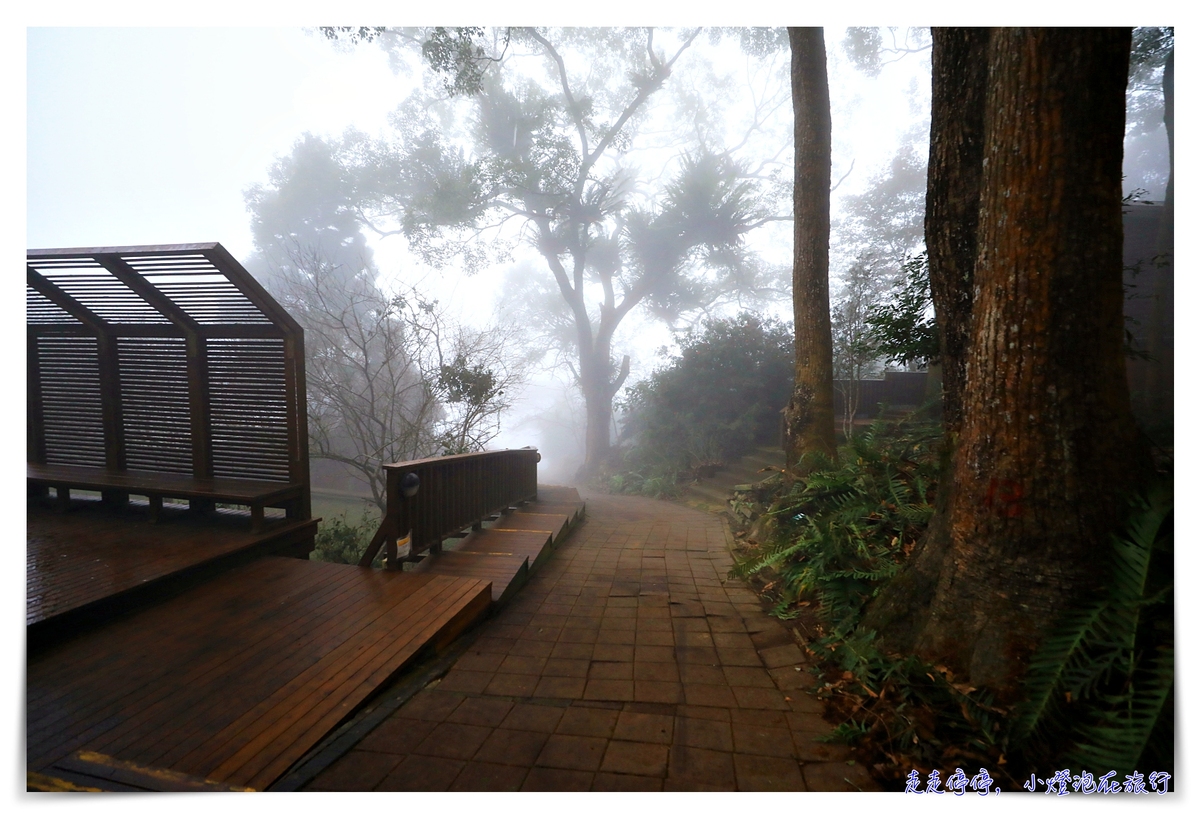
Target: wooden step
[[506, 572], [85, 771]]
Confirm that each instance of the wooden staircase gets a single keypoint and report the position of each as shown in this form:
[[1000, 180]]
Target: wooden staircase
[[511, 544]]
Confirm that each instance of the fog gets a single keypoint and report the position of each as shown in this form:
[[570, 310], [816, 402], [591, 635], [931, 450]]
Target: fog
[[156, 136]]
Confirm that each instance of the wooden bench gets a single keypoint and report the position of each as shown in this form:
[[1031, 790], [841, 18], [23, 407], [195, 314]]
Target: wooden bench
[[257, 494]]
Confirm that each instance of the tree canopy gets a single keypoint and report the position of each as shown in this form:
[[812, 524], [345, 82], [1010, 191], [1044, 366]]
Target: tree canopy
[[579, 144]]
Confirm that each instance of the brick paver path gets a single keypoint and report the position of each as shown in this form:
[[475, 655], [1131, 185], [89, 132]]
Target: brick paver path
[[629, 662]]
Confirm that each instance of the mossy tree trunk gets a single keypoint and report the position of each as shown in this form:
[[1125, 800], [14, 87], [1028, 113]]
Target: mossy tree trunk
[[1047, 449], [808, 417]]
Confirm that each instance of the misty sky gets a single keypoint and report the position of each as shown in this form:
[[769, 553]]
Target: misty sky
[[151, 135]]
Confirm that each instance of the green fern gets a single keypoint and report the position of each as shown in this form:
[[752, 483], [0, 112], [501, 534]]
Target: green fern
[[1105, 676]]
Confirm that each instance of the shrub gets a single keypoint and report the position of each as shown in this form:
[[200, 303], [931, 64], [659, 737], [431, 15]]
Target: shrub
[[711, 403], [344, 542]]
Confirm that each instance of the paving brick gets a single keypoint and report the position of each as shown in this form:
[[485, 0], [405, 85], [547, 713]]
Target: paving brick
[[760, 718], [773, 637], [808, 723], [560, 687], [620, 782], [615, 637], [739, 657], [543, 779], [707, 734], [694, 639], [791, 678], [748, 677], [735, 639], [573, 752], [532, 647], [579, 635], [535, 717], [460, 741], [611, 670], [482, 776], [760, 698], [508, 631], [651, 691], [708, 695], [689, 625], [696, 765], [781, 656], [655, 671], [588, 721], [647, 727], [838, 777], [517, 747], [432, 705], [612, 690], [696, 656], [635, 758], [422, 773], [610, 653], [566, 667], [492, 644], [653, 653], [465, 681], [481, 711], [654, 623], [531, 665], [512, 684], [764, 741], [767, 773], [397, 735], [474, 660], [357, 771], [571, 650], [702, 674], [810, 747], [650, 637]]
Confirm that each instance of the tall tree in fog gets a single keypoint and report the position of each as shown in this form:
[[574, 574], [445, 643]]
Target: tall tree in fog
[[1046, 450], [808, 417], [548, 140], [390, 376]]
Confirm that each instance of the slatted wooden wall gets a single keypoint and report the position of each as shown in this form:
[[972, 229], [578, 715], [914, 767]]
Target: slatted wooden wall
[[166, 358]]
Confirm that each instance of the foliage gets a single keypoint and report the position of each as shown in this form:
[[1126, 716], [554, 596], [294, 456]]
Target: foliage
[[904, 330], [842, 531], [556, 144], [711, 403], [1100, 689], [1099, 694], [341, 541]]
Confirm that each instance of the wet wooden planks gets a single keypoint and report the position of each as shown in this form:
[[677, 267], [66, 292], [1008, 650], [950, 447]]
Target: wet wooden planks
[[513, 545], [91, 554], [236, 679]]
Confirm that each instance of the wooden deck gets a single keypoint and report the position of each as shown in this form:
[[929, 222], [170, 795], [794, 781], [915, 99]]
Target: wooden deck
[[92, 556], [234, 680]]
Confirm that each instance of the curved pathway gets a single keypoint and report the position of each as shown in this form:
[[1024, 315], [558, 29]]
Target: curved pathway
[[628, 662]]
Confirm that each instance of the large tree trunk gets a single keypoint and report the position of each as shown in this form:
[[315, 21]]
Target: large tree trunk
[[599, 386], [1047, 449], [1160, 379], [960, 71], [808, 418]]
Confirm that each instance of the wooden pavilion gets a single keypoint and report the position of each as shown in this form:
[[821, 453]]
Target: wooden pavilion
[[174, 640]]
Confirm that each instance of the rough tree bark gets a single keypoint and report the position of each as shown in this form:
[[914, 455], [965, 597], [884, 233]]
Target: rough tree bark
[[1160, 380], [960, 70], [1047, 449], [808, 418]]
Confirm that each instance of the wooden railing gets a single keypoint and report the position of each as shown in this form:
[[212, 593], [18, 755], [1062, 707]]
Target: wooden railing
[[440, 497]]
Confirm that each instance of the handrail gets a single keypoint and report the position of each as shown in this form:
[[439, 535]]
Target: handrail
[[431, 499]]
